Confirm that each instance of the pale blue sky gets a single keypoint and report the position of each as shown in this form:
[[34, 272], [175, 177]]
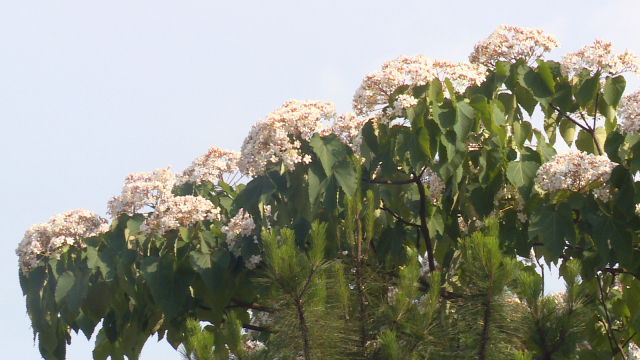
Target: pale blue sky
[[90, 91]]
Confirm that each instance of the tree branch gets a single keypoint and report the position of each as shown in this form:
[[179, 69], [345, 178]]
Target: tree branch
[[397, 217], [423, 222]]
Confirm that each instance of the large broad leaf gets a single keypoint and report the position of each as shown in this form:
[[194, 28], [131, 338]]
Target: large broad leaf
[[612, 233], [316, 182], [445, 114], [540, 82], [466, 117], [563, 98], [622, 181], [588, 90], [585, 140], [613, 89], [72, 287], [259, 189], [346, 175], [525, 99], [546, 151], [169, 287], [612, 145], [522, 173], [555, 227], [567, 130], [212, 267], [522, 132], [329, 150]]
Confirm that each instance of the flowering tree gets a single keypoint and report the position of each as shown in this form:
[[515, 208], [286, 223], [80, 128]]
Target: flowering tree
[[405, 229]]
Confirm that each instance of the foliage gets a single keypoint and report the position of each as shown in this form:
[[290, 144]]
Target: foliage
[[412, 238]]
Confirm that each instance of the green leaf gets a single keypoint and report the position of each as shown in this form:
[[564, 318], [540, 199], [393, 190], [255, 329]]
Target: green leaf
[[563, 98], [316, 181], [169, 288], [525, 99], [608, 232], [72, 287], [567, 131], [346, 175], [259, 189], [212, 267], [370, 138], [613, 90], [522, 173], [445, 114], [555, 227], [521, 132], [587, 91], [546, 151], [585, 140], [329, 150], [612, 144], [466, 116], [540, 82], [435, 93]]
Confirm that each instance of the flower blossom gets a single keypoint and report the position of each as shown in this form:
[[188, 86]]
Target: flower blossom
[[511, 43], [185, 211], [599, 57], [575, 171], [277, 136], [434, 184], [48, 238], [240, 225], [629, 113], [348, 127], [510, 196], [141, 190], [211, 167], [374, 92]]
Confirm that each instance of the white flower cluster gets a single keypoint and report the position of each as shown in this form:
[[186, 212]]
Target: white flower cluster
[[629, 113], [142, 190], [240, 225], [464, 225], [434, 184], [599, 57], [211, 167], [46, 238], [276, 137], [253, 261], [575, 171], [185, 211], [392, 293], [348, 127], [373, 94], [253, 346], [402, 102], [510, 195], [510, 43]]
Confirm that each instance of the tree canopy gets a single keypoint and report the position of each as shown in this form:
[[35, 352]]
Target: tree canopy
[[407, 229]]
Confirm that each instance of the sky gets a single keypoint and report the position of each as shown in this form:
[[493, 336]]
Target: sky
[[91, 91]]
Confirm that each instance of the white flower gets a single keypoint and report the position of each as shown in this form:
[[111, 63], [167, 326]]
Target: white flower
[[575, 171], [510, 43], [174, 212], [214, 165], [599, 57], [240, 225], [276, 137], [142, 190], [434, 184], [48, 238], [629, 113], [373, 94]]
